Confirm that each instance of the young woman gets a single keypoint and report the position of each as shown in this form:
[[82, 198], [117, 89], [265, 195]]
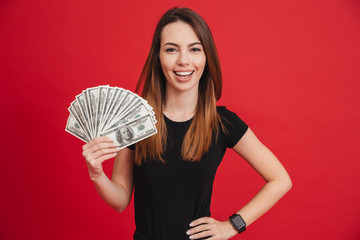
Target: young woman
[[173, 171]]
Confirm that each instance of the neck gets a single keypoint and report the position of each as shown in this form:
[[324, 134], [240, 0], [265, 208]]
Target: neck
[[180, 106]]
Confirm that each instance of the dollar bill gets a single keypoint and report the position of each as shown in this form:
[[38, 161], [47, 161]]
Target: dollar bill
[[73, 127], [117, 107], [138, 111], [93, 95], [105, 110], [82, 109], [109, 97], [110, 112], [101, 105], [132, 131], [89, 114], [74, 109]]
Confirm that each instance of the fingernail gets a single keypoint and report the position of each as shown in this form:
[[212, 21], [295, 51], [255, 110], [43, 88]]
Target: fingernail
[[191, 224], [188, 232], [191, 237], [118, 148]]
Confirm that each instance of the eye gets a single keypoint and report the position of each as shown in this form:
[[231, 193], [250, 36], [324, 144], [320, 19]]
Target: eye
[[170, 50], [195, 50]]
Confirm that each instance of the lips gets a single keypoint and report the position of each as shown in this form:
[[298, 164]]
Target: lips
[[183, 75]]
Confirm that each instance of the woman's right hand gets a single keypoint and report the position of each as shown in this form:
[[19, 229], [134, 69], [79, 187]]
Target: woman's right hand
[[96, 152]]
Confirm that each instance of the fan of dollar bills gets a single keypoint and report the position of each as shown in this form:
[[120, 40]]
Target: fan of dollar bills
[[123, 116]]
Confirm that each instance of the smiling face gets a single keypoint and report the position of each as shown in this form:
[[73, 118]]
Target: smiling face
[[182, 57]]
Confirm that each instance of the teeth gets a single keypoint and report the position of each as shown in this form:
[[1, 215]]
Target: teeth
[[183, 73]]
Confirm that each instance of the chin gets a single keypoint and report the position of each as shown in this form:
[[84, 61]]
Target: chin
[[182, 87]]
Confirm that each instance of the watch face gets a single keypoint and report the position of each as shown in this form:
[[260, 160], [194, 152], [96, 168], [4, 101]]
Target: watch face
[[238, 223]]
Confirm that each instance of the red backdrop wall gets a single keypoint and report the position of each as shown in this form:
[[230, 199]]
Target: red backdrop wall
[[291, 71]]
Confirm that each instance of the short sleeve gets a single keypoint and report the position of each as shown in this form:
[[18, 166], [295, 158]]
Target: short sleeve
[[235, 128]]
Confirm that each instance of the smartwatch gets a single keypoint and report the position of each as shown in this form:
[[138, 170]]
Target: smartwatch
[[238, 223]]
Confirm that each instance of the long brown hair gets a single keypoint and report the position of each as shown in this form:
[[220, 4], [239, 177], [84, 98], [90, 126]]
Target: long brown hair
[[206, 120]]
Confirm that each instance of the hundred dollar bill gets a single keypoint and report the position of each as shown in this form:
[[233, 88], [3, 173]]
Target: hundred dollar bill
[[103, 109], [124, 98], [82, 108], [74, 128], [122, 105], [101, 105], [132, 132], [93, 96], [130, 107], [109, 96], [123, 95], [74, 109], [89, 114], [113, 104], [136, 112]]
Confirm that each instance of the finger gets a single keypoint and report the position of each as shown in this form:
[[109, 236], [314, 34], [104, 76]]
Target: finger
[[201, 221], [96, 163], [197, 229], [201, 235], [107, 157], [94, 154], [98, 146], [104, 151], [102, 145], [97, 140]]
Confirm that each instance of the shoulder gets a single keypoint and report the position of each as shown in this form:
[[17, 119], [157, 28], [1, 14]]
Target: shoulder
[[227, 114], [232, 125], [223, 110]]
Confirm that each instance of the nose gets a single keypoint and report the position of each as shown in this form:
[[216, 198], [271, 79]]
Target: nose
[[183, 58]]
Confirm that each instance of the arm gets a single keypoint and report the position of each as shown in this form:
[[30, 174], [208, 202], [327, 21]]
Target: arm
[[277, 184], [269, 167], [117, 191]]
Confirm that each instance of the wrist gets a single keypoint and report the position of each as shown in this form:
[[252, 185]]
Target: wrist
[[96, 176], [237, 223], [231, 230]]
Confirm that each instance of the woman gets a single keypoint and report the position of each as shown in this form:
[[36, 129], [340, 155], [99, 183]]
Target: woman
[[173, 171]]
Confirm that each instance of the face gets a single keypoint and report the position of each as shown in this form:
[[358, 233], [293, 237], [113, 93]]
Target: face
[[182, 57], [125, 134]]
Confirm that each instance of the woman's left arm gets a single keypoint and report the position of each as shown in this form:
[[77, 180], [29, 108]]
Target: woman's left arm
[[277, 184], [269, 167]]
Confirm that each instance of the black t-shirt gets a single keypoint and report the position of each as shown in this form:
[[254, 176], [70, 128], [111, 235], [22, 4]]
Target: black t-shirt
[[168, 196]]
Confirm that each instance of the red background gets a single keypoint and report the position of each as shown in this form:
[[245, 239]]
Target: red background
[[291, 71]]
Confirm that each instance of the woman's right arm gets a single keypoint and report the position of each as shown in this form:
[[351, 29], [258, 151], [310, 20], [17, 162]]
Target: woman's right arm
[[117, 191]]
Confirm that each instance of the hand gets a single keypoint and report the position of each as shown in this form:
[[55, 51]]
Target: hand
[[209, 227], [96, 152]]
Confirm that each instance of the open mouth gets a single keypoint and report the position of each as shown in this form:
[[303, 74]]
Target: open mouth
[[184, 74]]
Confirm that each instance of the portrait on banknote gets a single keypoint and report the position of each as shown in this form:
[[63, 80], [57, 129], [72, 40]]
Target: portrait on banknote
[[124, 134]]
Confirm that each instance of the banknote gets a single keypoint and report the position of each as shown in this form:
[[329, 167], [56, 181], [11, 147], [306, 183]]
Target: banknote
[[111, 111], [132, 131], [107, 103], [101, 105], [82, 112], [112, 106], [138, 111], [92, 94], [76, 113], [73, 127]]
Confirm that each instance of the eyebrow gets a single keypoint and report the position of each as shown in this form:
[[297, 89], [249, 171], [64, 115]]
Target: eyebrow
[[176, 45]]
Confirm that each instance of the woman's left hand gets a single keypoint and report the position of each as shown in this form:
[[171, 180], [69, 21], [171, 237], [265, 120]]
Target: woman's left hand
[[209, 227]]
